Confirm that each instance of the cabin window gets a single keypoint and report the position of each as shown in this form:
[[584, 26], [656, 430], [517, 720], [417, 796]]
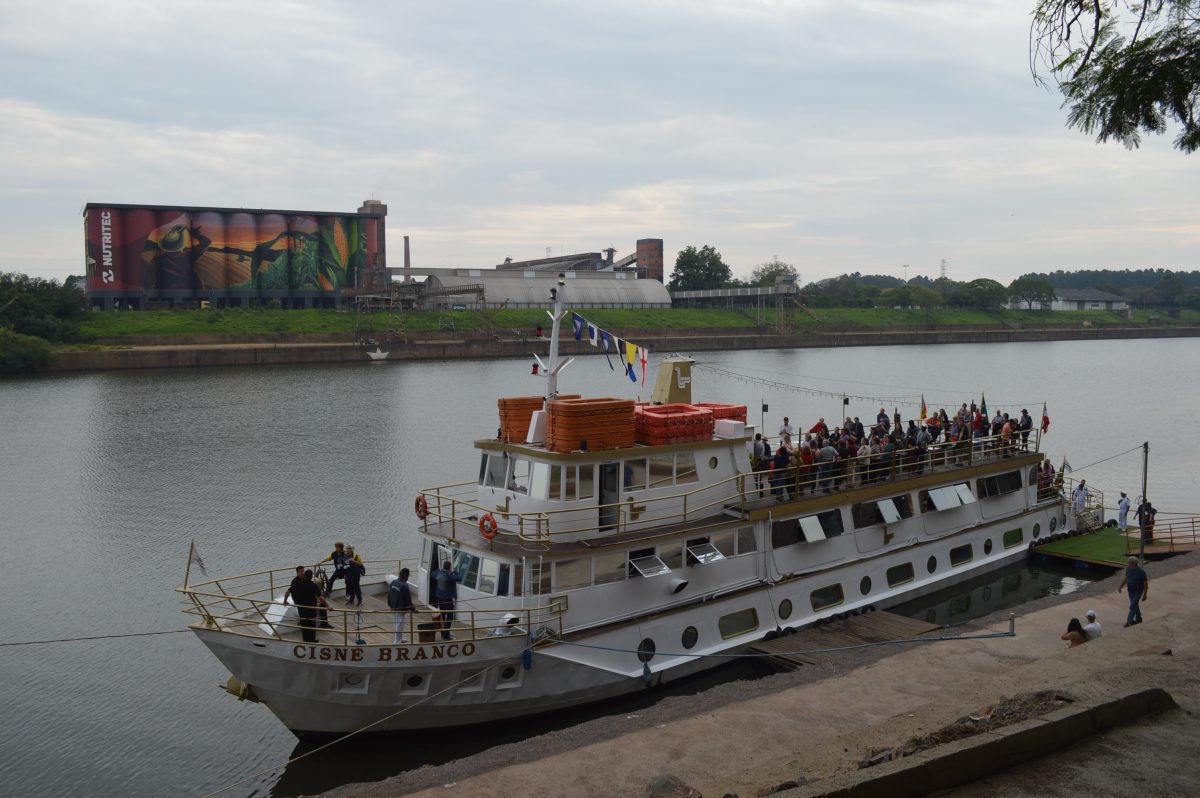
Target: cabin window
[[900, 574], [555, 483], [635, 474], [685, 469], [738, 623], [569, 490], [610, 567], [502, 584], [467, 567], [492, 470], [883, 511], [998, 484], [960, 555], [745, 540], [724, 543], [1014, 537], [826, 597], [585, 482], [644, 562], [488, 569], [518, 475], [671, 554], [945, 498], [661, 470], [539, 480], [786, 533], [702, 551], [570, 574]]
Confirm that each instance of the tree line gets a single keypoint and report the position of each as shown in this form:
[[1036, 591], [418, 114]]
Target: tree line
[[34, 313], [701, 268]]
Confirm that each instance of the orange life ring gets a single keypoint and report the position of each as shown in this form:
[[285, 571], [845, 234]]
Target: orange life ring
[[422, 507], [487, 526]]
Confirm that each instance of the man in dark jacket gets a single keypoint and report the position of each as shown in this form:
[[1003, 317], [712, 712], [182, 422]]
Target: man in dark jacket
[[401, 603]]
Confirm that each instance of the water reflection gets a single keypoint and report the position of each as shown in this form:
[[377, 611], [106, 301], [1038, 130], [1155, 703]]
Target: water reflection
[[999, 590]]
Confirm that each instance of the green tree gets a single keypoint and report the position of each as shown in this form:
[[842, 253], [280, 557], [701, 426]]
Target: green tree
[[1124, 67], [699, 269], [982, 294], [43, 308], [1031, 289], [765, 274]]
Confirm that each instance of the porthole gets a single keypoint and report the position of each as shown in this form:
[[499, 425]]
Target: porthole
[[785, 609], [1037, 530], [987, 546], [414, 681], [1053, 524], [864, 586], [712, 462], [690, 636], [508, 672], [646, 650], [931, 565]]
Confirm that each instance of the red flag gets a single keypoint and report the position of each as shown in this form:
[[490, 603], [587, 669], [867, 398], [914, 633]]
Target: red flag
[[1045, 419], [924, 412]]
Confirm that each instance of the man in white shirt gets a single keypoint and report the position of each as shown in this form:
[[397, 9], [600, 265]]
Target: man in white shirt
[[1080, 496], [786, 431], [1123, 512], [1092, 628]]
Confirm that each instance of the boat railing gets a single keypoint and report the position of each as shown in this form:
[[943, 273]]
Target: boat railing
[[251, 605], [1173, 536], [1089, 515], [459, 507]]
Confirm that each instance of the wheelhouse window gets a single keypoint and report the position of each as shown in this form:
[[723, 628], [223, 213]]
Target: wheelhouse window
[[492, 469], [539, 480], [685, 469], [518, 475], [998, 484], [635, 474], [662, 468], [882, 511], [555, 493]]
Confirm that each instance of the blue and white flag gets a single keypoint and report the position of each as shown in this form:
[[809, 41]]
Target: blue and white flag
[[593, 334], [577, 323], [609, 344]]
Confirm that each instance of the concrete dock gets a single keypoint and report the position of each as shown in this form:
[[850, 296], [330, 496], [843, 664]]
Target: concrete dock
[[805, 732]]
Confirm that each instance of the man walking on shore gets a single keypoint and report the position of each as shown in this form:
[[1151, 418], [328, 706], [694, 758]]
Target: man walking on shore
[[1139, 588]]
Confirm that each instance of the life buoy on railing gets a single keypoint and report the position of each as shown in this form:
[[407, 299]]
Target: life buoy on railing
[[422, 507], [487, 526]]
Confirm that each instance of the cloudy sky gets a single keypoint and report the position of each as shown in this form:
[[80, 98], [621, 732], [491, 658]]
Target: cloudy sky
[[838, 135]]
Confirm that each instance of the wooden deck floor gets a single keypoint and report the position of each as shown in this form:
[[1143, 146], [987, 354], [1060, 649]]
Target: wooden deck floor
[[807, 647]]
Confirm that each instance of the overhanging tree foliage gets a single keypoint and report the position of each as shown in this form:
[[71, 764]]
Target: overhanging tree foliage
[[1125, 67], [765, 274]]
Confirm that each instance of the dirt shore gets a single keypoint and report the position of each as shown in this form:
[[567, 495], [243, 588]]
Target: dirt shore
[[750, 738]]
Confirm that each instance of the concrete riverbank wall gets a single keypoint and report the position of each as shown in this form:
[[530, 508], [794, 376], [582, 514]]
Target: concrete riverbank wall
[[296, 348]]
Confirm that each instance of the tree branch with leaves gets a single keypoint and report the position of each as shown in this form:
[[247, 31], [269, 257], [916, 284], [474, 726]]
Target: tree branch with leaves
[[1124, 67]]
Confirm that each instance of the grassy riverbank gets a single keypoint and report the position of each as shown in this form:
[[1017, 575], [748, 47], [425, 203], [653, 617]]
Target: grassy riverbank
[[265, 322]]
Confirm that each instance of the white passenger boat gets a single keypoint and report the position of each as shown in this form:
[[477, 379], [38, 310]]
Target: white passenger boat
[[593, 565]]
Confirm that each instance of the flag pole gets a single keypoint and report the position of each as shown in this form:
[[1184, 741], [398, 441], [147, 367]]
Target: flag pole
[[187, 574]]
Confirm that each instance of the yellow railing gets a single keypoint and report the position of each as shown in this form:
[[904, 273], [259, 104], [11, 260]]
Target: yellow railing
[[1176, 535], [458, 503], [247, 605]]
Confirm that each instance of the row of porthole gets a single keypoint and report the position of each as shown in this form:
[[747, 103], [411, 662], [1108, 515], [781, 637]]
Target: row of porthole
[[507, 674], [691, 635]]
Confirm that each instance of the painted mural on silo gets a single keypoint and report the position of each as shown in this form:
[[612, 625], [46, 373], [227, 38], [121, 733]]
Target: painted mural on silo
[[225, 250]]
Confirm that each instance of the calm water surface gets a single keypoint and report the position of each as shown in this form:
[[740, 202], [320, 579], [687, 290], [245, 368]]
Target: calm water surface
[[105, 478]]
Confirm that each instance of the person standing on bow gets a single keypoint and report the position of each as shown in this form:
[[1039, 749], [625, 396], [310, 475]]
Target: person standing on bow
[[354, 571], [338, 558], [445, 594], [401, 603]]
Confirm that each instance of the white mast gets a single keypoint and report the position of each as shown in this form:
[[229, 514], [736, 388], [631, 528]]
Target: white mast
[[556, 317]]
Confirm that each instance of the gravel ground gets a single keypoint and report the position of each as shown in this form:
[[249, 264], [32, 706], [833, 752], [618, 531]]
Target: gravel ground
[[663, 716]]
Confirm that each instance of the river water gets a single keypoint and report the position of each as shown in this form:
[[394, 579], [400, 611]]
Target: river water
[[105, 478]]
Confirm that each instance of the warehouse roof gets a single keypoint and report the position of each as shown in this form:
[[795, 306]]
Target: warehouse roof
[[533, 288]]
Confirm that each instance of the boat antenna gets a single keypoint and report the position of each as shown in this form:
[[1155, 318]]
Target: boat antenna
[[557, 295]]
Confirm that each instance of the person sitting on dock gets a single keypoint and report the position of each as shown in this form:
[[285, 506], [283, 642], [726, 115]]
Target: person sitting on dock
[[1074, 635], [1092, 628], [401, 603]]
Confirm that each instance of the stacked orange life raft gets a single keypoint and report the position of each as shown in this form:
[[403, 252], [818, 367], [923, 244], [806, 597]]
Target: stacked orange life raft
[[603, 423], [515, 414]]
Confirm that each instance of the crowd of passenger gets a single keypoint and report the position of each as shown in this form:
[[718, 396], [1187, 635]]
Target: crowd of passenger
[[825, 459]]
